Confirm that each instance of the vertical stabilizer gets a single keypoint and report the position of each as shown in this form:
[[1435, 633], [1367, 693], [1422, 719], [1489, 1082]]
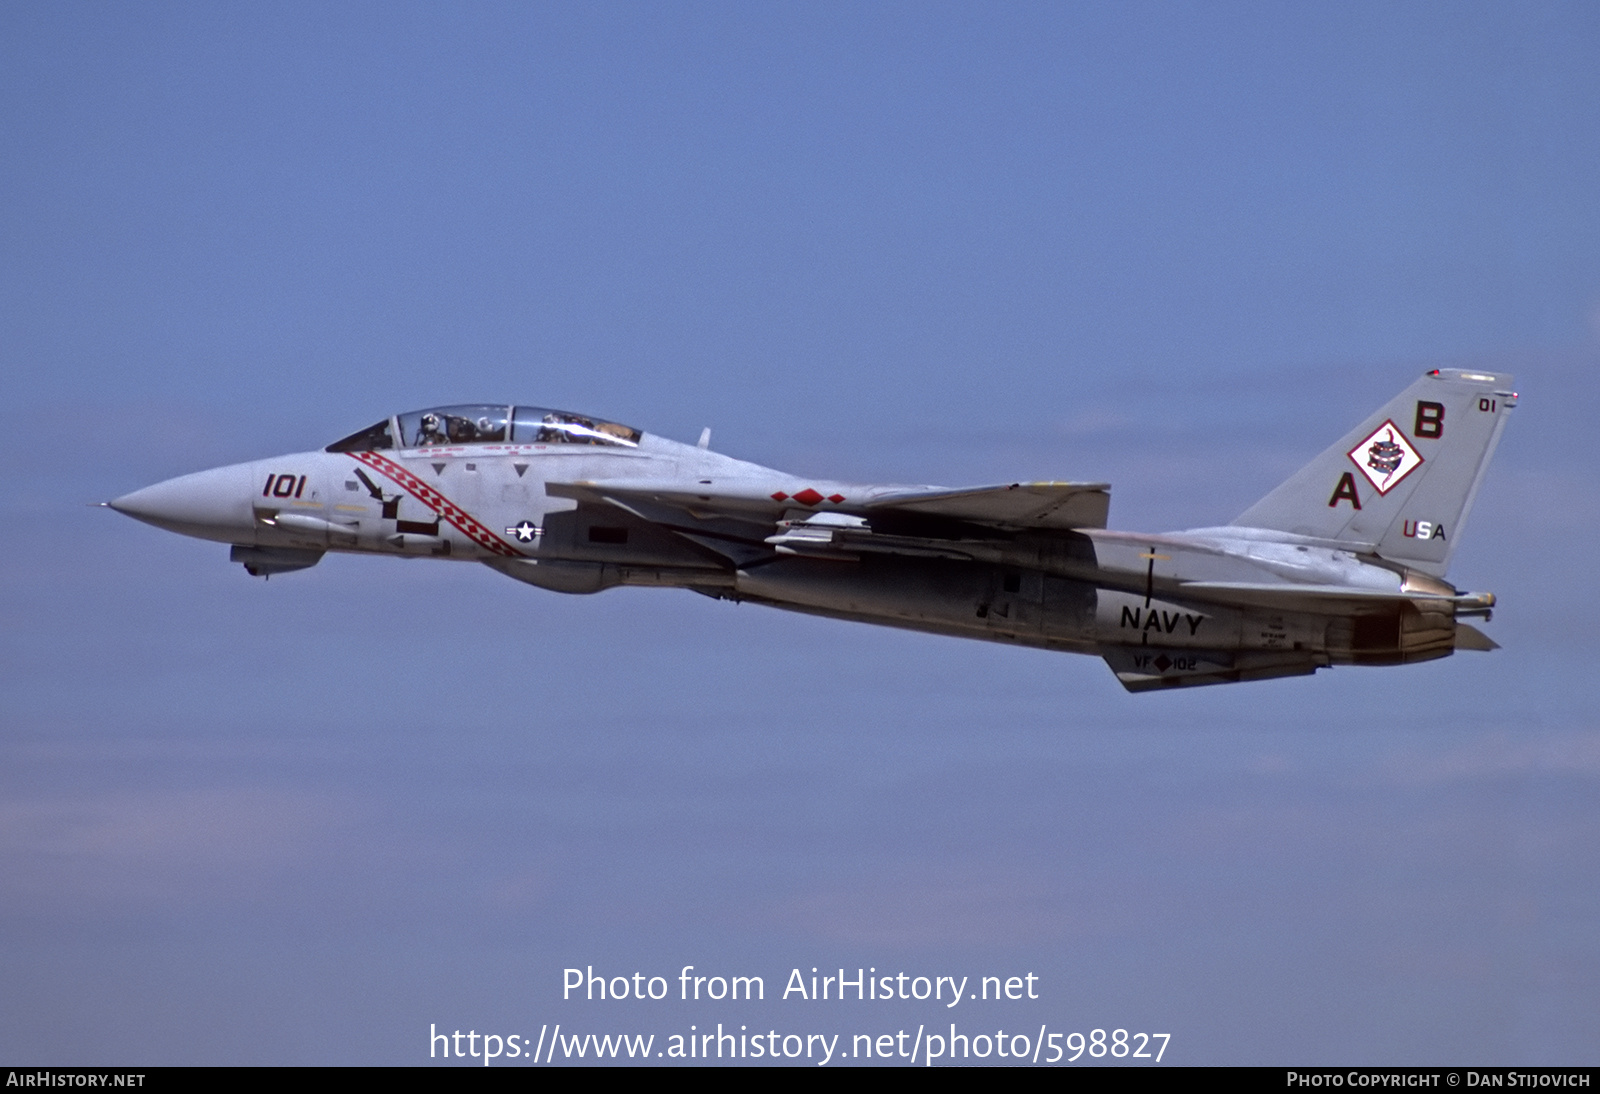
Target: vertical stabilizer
[[1402, 481]]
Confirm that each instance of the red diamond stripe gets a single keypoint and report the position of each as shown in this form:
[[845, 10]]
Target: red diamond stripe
[[440, 504]]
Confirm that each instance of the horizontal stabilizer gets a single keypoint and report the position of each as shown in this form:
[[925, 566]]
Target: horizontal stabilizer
[[1321, 598], [1469, 637]]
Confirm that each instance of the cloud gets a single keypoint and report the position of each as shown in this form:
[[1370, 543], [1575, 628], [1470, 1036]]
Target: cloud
[[1502, 755], [140, 850], [971, 910]]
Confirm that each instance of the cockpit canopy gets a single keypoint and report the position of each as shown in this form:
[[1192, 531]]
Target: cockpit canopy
[[486, 424]]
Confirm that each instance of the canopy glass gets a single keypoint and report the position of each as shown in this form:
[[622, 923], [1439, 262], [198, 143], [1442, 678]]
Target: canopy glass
[[450, 426]]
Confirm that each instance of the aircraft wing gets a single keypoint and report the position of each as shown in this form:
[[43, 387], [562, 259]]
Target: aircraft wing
[[735, 531], [738, 521], [1016, 505], [1013, 505]]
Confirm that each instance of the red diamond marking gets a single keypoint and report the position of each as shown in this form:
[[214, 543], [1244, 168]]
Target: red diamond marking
[[836, 498], [779, 496], [1162, 663], [808, 496]]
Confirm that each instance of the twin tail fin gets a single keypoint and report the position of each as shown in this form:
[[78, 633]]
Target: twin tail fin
[[1402, 482]]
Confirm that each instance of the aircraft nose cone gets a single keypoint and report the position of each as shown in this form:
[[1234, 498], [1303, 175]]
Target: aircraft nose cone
[[209, 504]]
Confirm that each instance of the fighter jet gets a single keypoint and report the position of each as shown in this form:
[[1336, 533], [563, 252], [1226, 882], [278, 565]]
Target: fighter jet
[[1343, 564]]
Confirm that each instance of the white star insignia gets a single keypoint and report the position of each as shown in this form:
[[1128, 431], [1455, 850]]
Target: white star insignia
[[525, 531]]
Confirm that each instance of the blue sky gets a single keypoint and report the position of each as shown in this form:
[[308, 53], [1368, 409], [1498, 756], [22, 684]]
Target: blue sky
[[1177, 247]]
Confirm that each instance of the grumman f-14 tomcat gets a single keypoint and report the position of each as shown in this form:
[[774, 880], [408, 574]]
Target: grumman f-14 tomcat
[[1343, 564]]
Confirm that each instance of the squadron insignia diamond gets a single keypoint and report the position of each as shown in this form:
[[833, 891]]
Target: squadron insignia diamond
[[1385, 457]]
